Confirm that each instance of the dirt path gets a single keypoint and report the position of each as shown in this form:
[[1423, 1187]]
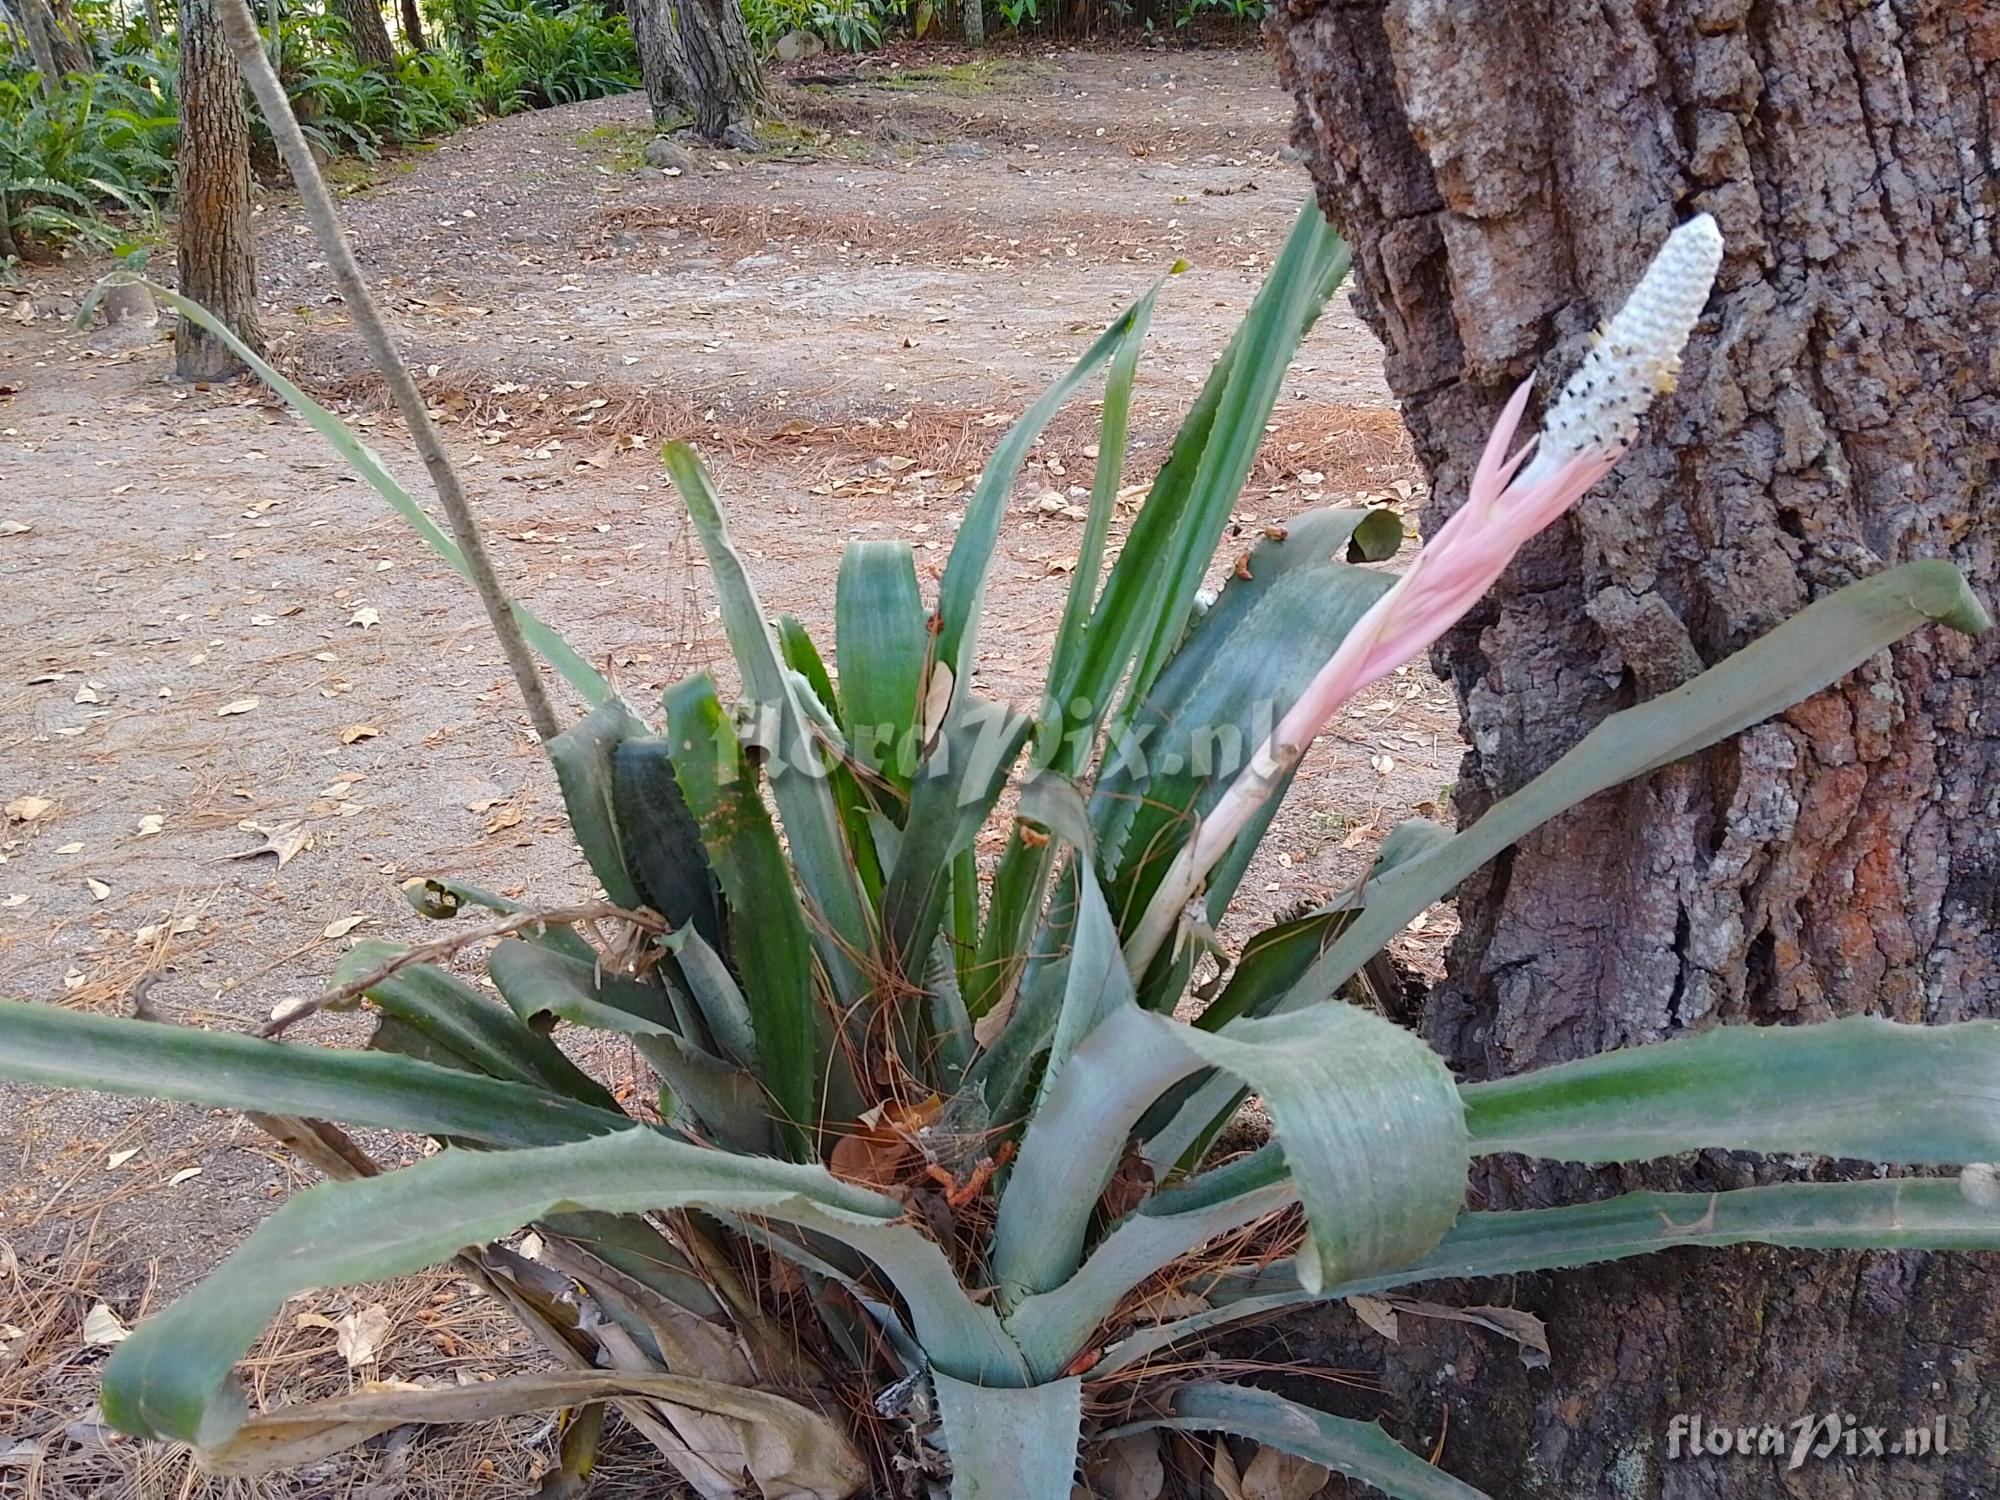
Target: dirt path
[[209, 624]]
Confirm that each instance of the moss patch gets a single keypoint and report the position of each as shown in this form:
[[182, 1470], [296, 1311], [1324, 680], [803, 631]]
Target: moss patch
[[620, 146], [960, 80]]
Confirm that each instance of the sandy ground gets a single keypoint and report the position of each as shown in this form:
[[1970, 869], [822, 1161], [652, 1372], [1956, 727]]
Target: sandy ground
[[208, 627]]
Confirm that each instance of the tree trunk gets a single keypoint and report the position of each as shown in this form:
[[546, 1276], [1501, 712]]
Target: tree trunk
[[1504, 172], [10, 248], [366, 32], [659, 61], [974, 18], [71, 29], [413, 26], [56, 52], [465, 28], [154, 28], [718, 74], [217, 260]]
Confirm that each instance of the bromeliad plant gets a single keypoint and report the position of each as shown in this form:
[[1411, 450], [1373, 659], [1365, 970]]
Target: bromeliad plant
[[932, 1145]]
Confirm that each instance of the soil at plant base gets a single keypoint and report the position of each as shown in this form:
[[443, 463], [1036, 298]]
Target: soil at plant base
[[218, 640]]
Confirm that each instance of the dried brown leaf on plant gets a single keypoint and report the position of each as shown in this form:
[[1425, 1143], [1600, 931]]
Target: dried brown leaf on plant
[[881, 1152], [787, 1448], [1130, 1186]]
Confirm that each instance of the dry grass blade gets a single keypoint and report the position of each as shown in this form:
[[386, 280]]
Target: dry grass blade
[[441, 949]]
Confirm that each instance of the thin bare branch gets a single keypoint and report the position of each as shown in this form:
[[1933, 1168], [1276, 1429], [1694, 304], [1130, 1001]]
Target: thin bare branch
[[241, 30]]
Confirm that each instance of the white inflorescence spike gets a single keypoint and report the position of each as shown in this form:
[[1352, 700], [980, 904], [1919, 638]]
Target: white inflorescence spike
[[1636, 355]]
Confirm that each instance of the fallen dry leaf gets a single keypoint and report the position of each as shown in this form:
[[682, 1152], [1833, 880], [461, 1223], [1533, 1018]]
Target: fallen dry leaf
[[1169, 1304], [342, 927], [1377, 1314], [151, 824], [118, 1159], [27, 809], [1277, 1475], [365, 617], [1524, 1328], [98, 889], [101, 1327], [1132, 1468], [281, 839], [152, 932], [937, 698], [240, 706], [359, 1335], [185, 1174], [355, 732], [1222, 1472], [505, 816], [986, 1030]]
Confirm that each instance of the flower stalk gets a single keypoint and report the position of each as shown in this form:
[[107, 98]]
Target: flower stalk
[[1511, 499]]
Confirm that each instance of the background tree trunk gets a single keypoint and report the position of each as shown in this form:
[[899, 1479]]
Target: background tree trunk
[[1504, 171], [974, 16], [217, 259], [465, 25], [659, 61], [10, 249], [413, 26], [56, 52], [367, 32], [719, 78]]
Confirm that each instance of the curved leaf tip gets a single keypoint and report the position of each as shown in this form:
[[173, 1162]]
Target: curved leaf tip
[[1939, 590]]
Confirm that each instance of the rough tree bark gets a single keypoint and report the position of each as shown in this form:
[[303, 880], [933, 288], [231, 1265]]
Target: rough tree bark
[[717, 74], [973, 15], [659, 62], [217, 254], [413, 25], [55, 50], [367, 33], [1504, 170]]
